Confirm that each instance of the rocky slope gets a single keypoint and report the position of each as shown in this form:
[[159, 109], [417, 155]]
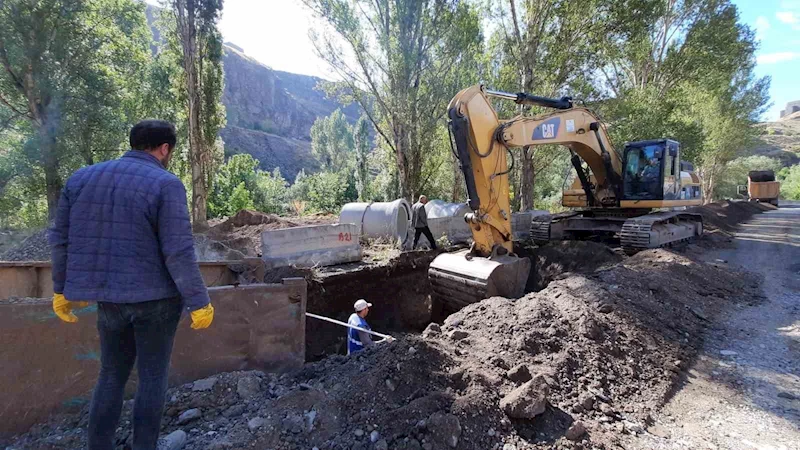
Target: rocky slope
[[269, 112], [781, 140]]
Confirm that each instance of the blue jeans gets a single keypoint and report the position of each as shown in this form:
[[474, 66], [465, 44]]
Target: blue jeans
[[140, 333]]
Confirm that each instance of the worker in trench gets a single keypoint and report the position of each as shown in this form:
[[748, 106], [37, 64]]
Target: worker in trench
[[419, 219], [122, 238], [358, 340]]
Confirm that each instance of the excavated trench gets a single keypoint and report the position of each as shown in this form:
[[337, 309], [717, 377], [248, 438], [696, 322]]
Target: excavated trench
[[400, 291]]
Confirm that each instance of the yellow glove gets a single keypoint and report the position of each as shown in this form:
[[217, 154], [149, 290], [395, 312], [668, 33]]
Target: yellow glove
[[202, 318], [63, 308]]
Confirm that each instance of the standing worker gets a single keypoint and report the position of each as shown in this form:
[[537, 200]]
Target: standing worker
[[419, 218], [357, 340], [122, 238]]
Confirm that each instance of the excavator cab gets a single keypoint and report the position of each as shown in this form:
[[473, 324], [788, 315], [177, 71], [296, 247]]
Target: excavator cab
[[652, 170]]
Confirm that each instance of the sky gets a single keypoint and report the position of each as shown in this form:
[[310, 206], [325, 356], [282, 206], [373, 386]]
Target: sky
[[275, 32]]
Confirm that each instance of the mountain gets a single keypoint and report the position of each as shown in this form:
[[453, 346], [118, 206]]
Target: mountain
[[269, 112]]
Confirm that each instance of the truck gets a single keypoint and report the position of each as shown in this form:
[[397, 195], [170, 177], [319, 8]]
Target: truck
[[761, 187]]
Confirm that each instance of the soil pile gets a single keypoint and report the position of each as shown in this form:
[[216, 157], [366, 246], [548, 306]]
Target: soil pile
[[572, 366], [555, 258], [33, 248], [726, 215], [240, 235]]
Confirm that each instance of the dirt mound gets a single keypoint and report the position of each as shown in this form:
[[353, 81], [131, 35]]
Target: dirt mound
[[242, 233], [726, 215], [556, 258], [596, 352], [33, 248]]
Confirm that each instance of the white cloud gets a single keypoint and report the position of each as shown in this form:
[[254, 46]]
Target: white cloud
[[779, 57], [788, 17], [762, 26]]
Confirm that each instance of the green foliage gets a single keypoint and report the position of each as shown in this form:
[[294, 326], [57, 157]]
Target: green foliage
[[326, 191], [401, 61], [735, 173], [362, 141], [271, 192], [790, 182], [239, 185], [240, 199], [332, 142], [71, 78]]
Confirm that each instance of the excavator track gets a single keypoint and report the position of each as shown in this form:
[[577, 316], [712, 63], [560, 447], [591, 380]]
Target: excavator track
[[659, 229], [540, 228]]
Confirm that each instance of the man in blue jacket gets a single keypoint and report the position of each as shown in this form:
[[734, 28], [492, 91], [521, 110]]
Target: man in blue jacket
[[122, 238]]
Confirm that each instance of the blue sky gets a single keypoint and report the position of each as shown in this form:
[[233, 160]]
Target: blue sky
[[777, 25], [275, 32]]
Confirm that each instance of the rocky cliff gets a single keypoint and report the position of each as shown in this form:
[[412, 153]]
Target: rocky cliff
[[269, 112]]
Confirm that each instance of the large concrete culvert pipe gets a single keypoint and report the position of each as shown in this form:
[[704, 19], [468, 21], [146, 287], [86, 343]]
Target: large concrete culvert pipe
[[376, 220]]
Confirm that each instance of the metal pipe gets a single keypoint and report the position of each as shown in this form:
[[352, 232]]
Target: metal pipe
[[522, 98], [501, 94], [328, 319]]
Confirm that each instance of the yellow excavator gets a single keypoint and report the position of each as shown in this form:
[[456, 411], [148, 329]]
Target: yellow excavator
[[615, 194]]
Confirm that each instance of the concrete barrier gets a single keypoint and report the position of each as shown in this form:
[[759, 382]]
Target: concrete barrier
[[48, 365], [311, 246], [34, 279]]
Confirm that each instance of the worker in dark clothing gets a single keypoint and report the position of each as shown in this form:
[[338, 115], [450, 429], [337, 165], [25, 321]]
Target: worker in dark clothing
[[122, 238], [419, 219]]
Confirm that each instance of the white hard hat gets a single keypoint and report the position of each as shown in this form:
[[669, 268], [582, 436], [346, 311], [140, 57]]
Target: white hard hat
[[361, 305]]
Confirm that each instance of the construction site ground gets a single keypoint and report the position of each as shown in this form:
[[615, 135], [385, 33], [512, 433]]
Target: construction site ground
[[690, 347]]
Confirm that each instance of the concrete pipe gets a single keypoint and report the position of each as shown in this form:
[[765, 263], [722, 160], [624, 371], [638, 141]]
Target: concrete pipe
[[447, 219], [390, 220]]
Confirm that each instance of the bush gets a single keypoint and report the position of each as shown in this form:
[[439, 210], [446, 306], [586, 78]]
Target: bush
[[324, 191], [790, 182]]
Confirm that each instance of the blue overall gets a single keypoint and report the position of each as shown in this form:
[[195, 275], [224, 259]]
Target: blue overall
[[353, 340]]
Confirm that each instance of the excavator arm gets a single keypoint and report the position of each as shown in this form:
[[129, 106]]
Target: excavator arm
[[482, 142]]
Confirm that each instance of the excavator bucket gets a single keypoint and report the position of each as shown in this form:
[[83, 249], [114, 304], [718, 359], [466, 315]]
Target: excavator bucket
[[458, 280]]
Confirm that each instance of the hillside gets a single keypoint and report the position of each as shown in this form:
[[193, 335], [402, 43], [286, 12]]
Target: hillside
[[781, 140], [269, 113]]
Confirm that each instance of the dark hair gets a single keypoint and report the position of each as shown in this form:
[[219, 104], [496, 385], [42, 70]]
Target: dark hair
[[149, 134]]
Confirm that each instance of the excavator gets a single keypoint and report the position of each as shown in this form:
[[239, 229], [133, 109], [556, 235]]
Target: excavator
[[639, 195]]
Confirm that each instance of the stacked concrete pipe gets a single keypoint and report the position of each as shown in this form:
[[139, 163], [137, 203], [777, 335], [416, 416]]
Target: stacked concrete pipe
[[380, 220]]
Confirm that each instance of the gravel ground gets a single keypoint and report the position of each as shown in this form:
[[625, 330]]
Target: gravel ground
[[743, 392]]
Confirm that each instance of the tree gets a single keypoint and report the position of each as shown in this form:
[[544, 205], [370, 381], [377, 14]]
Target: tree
[[544, 47], [790, 182], [201, 56], [683, 69], [238, 170], [399, 60], [363, 143], [68, 72], [332, 141], [270, 193]]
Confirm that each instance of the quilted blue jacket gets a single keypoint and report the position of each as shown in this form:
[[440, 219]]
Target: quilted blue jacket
[[122, 234]]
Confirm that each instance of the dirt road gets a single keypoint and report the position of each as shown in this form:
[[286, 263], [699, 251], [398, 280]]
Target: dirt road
[[743, 392]]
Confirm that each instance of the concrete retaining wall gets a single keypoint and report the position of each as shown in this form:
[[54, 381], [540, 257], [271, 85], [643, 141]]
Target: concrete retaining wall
[[311, 246], [48, 365], [34, 279]]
